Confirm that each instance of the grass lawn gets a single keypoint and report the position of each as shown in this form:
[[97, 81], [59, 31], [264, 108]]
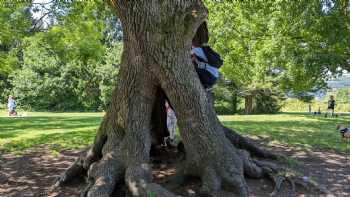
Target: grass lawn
[[73, 130], [57, 130], [293, 129]]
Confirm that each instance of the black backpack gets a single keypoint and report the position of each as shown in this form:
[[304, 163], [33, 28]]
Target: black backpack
[[213, 57]]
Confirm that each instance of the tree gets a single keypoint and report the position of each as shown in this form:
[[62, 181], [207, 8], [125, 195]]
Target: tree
[[15, 20], [70, 58], [270, 45], [157, 40], [343, 95]]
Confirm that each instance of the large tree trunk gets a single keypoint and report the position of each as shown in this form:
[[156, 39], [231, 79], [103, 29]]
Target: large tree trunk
[[156, 56]]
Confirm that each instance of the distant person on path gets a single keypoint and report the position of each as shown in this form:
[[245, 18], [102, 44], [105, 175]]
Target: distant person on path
[[11, 105], [331, 106]]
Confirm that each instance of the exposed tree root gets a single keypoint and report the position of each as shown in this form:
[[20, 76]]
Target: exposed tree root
[[293, 180], [139, 181], [107, 165], [106, 173], [89, 156], [243, 143], [75, 170]]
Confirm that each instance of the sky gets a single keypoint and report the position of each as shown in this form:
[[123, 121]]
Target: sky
[[39, 14]]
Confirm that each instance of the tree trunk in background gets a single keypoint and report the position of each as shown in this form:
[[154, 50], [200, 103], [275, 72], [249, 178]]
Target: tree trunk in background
[[156, 56], [234, 97], [248, 104], [234, 101]]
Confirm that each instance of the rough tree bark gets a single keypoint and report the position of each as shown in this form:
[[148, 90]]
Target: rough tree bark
[[157, 43], [248, 104]]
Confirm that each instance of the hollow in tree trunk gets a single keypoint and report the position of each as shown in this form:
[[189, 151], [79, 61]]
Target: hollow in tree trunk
[[156, 57]]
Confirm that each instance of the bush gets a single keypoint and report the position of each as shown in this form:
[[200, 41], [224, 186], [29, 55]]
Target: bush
[[267, 101], [47, 83], [226, 100]]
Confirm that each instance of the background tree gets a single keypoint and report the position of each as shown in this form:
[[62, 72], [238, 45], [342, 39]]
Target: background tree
[[274, 45], [66, 57], [268, 47], [16, 24], [343, 95]]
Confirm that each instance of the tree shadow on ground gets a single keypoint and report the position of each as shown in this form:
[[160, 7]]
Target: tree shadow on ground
[[58, 132], [55, 141], [309, 134], [34, 173], [20, 124], [326, 167]]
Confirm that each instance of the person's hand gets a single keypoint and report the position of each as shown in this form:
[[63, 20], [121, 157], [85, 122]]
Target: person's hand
[[193, 58]]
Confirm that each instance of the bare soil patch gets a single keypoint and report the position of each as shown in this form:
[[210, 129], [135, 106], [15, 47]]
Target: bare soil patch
[[34, 173]]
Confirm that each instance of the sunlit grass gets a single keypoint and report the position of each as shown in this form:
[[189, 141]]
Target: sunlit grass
[[57, 130], [74, 130], [297, 130]]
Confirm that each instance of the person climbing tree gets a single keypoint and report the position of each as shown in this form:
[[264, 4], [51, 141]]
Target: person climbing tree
[[206, 60], [157, 41]]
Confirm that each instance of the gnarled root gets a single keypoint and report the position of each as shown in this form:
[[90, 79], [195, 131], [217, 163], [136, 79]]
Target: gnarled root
[[76, 169], [104, 175], [227, 172], [243, 143], [259, 169], [220, 158], [293, 180], [139, 181], [82, 164]]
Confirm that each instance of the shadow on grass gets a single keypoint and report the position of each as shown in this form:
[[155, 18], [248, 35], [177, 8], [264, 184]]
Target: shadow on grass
[[311, 133], [305, 131], [55, 141], [12, 127], [18, 134]]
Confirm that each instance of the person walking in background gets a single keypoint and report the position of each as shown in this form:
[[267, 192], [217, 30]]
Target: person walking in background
[[11, 105], [331, 106]]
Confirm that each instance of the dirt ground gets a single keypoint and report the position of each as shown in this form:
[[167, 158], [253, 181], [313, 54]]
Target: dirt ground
[[34, 173]]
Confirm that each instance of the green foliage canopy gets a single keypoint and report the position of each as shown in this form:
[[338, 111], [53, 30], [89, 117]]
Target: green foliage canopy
[[281, 44], [71, 65], [269, 46]]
